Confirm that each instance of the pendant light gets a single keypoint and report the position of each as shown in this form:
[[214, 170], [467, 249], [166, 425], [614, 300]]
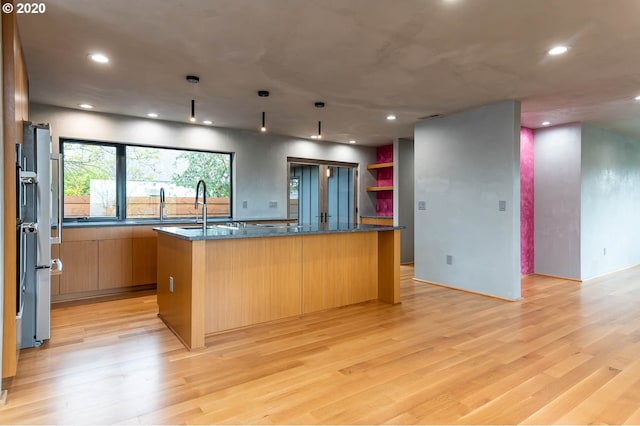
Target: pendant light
[[263, 94], [193, 79], [318, 105]]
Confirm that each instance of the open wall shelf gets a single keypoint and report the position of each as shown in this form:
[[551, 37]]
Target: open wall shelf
[[379, 166]]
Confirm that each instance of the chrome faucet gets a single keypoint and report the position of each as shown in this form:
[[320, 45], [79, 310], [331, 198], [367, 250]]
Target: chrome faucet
[[161, 204], [204, 203]]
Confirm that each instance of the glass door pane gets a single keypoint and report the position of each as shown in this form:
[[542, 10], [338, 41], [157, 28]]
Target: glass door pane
[[340, 200], [322, 193], [308, 193]]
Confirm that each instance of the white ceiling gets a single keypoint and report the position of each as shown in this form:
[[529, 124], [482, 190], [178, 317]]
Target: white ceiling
[[364, 58]]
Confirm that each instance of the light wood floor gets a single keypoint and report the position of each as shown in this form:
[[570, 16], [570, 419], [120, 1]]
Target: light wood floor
[[567, 353]]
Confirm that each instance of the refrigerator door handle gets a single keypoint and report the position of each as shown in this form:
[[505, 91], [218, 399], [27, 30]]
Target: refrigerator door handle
[[56, 207], [56, 265]]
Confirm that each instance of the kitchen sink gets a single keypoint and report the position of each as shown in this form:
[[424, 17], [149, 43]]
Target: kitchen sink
[[195, 227], [277, 225]]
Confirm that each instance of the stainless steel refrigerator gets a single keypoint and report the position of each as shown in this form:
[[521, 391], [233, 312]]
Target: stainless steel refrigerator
[[39, 224]]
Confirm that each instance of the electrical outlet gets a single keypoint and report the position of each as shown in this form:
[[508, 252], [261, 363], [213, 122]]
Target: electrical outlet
[[502, 206], [422, 205], [273, 204], [245, 204], [449, 259], [170, 284]]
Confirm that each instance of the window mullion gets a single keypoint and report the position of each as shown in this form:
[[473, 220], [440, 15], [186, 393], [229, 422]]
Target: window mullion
[[121, 181]]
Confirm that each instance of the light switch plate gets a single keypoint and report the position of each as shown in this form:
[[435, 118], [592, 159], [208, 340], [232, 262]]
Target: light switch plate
[[502, 206], [422, 205]]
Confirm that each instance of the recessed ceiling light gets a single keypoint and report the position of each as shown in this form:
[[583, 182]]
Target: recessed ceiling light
[[352, 141], [546, 123], [86, 106], [391, 117], [637, 98], [99, 57], [558, 50], [152, 115], [207, 122]]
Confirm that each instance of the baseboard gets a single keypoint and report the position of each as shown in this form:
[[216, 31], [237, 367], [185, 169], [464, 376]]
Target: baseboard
[[612, 272], [103, 296], [479, 293], [557, 276]]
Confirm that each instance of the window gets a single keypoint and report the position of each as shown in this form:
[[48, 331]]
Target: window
[[89, 181], [118, 182], [177, 172]]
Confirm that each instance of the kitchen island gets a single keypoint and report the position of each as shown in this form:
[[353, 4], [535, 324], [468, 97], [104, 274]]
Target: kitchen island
[[228, 277]]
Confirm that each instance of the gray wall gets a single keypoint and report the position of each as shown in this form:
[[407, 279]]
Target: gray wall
[[403, 195], [557, 201], [610, 201], [466, 163], [260, 167]]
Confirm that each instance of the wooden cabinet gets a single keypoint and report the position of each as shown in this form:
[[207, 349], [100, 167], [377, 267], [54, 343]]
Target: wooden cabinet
[[339, 270], [144, 255], [104, 260], [144, 260], [222, 284], [115, 265], [80, 266]]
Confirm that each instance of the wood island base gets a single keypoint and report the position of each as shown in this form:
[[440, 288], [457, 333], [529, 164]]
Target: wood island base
[[207, 286]]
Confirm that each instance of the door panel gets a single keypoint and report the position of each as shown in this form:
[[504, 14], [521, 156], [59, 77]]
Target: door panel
[[322, 193], [340, 200], [308, 193]]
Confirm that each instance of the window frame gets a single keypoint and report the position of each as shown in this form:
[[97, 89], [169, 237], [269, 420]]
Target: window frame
[[121, 184]]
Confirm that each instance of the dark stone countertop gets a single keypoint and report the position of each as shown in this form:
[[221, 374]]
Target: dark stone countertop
[[218, 232]]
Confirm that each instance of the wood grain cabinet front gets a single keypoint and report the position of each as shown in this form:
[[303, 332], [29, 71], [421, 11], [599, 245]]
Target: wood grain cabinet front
[[115, 263], [80, 260], [144, 260], [104, 260]]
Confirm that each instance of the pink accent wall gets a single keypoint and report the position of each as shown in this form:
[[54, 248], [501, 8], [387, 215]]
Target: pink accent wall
[[526, 202], [384, 177], [384, 154], [384, 203]]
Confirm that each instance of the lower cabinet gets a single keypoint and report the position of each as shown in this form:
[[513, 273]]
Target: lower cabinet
[[99, 261], [80, 266], [115, 263], [144, 260]]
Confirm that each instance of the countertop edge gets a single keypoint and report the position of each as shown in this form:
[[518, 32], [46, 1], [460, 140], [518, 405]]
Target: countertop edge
[[193, 235], [166, 223]]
